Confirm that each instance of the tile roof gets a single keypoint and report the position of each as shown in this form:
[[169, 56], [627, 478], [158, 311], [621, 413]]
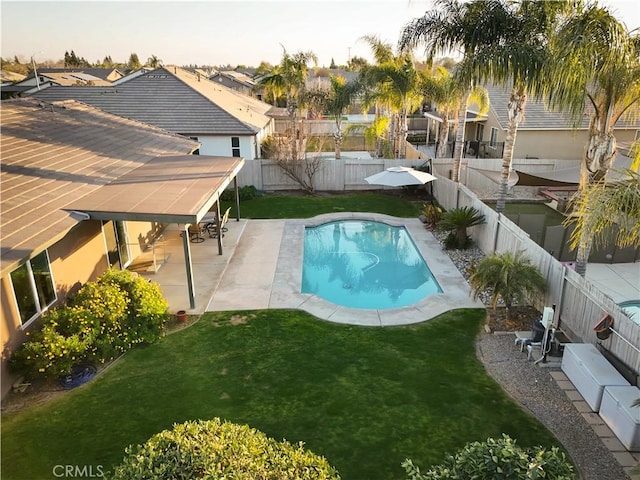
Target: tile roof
[[103, 73], [537, 115], [53, 155], [74, 78], [176, 100]]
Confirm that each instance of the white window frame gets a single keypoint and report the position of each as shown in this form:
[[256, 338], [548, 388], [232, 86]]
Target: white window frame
[[493, 142], [34, 291]]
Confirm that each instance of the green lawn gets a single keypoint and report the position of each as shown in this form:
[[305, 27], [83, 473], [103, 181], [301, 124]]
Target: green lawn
[[305, 206], [364, 397]]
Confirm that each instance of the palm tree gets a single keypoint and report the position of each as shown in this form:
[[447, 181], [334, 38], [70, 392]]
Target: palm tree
[[597, 64], [449, 94], [154, 62], [599, 69], [337, 102], [396, 84], [290, 77], [458, 220], [601, 207], [510, 277], [502, 42]]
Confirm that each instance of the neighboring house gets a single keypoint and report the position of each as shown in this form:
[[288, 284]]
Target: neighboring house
[[543, 133], [225, 123], [84, 191], [49, 77], [236, 81], [319, 78], [8, 78]]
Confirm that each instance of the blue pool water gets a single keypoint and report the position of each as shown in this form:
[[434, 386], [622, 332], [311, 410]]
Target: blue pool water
[[364, 264], [632, 309]]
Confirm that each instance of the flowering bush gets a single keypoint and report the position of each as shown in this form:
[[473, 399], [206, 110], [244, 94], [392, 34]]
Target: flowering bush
[[104, 319]]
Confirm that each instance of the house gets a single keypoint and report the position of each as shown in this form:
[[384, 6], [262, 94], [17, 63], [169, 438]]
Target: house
[[224, 122], [236, 81], [543, 133], [48, 77], [84, 191]]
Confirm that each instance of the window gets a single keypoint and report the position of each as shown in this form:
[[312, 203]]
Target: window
[[33, 287], [235, 146], [479, 132], [493, 143]]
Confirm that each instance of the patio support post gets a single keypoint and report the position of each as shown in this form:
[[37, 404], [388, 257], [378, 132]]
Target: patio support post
[[219, 227], [235, 184], [189, 267]]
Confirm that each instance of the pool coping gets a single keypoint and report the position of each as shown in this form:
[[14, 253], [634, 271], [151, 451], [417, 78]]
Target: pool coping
[[287, 282]]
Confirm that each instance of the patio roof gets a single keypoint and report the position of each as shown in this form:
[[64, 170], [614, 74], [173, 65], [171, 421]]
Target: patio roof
[[173, 189]]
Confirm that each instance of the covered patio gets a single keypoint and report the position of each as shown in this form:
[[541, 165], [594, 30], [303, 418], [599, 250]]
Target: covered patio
[[177, 191]]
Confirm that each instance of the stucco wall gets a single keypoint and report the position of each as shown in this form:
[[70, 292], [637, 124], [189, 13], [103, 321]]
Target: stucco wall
[[76, 259], [221, 146]]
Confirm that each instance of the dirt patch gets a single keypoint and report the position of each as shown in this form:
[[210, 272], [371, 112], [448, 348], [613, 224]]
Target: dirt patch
[[240, 319], [521, 318]]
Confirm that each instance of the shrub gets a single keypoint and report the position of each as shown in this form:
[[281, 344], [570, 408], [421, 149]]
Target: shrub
[[496, 460], [219, 449], [458, 220], [48, 352], [248, 192], [510, 277], [104, 319], [432, 214]]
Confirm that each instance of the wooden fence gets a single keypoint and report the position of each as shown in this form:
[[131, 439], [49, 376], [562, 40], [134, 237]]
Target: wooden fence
[[579, 304]]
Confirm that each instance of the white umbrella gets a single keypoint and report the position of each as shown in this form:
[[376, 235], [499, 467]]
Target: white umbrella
[[399, 177]]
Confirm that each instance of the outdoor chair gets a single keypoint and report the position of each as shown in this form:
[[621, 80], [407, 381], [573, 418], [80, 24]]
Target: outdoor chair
[[545, 345], [212, 228], [195, 233]]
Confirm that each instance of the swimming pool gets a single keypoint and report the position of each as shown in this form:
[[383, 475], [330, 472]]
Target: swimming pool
[[364, 264], [632, 309]]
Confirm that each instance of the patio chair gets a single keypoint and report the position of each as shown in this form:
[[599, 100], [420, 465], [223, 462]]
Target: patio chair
[[195, 233], [212, 228]]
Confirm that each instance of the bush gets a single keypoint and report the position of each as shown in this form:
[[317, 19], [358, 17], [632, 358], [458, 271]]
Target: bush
[[104, 319], [219, 449], [457, 221], [248, 192], [48, 352], [496, 460]]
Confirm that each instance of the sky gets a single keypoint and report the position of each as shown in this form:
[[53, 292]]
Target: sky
[[235, 32]]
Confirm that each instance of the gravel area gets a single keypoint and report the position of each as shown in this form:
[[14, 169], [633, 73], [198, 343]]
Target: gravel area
[[535, 389]]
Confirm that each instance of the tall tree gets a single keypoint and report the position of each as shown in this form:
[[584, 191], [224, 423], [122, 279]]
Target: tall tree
[[596, 64], [397, 85], [134, 62], [596, 73], [336, 103], [502, 42]]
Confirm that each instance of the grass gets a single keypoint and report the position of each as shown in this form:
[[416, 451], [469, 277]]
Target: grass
[[364, 397], [305, 206]]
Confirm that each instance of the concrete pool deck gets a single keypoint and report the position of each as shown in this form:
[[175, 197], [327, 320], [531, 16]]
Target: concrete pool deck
[[261, 267], [250, 282]]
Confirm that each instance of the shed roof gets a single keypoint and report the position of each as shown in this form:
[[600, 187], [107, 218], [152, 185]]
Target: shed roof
[[53, 155]]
